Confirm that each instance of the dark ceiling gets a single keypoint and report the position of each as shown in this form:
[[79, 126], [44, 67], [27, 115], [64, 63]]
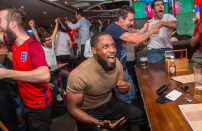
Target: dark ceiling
[[65, 9]]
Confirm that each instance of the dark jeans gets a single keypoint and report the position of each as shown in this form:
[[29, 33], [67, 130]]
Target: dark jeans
[[8, 114], [131, 70], [64, 74], [38, 118], [83, 58], [114, 110], [64, 59], [75, 50]]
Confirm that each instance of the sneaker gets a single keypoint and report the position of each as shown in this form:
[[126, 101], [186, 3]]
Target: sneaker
[[59, 98], [59, 90]]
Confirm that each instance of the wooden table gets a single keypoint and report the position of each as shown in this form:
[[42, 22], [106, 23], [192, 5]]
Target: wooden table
[[54, 68], [167, 116]]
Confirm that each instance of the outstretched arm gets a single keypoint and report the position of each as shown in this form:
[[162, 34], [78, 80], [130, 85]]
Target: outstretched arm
[[74, 103], [138, 38], [73, 26], [146, 25], [196, 38], [100, 22], [62, 25], [55, 31], [171, 25], [31, 24], [41, 74]]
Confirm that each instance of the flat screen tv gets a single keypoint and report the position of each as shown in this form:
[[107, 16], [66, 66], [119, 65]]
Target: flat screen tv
[[184, 11], [29, 31], [139, 7]]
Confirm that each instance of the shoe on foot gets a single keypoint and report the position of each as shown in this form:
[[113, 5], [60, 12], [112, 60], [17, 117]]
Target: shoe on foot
[[59, 98]]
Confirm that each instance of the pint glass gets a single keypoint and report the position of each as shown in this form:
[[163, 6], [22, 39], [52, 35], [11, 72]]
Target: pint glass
[[143, 61], [198, 81]]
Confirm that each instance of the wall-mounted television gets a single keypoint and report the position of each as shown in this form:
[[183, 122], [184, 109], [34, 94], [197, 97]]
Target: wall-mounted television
[[139, 7], [184, 12], [29, 31]]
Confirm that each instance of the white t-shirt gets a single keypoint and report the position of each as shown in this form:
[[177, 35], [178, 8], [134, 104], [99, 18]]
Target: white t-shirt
[[87, 51], [50, 55], [163, 39], [61, 44]]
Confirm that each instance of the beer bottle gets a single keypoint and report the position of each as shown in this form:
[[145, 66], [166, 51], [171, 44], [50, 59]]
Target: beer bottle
[[172, 66]]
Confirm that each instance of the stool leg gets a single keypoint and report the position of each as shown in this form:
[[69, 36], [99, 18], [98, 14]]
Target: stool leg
[[63, 93], [3, 127]]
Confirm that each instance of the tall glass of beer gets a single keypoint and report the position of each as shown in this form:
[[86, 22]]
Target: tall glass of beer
[[198, 81], [143, 60]]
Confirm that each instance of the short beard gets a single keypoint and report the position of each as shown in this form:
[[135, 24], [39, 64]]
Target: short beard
[[10, 36], [104, 64]]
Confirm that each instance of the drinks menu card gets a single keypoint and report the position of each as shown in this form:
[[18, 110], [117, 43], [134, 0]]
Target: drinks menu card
[[184, 78], [193, 115]]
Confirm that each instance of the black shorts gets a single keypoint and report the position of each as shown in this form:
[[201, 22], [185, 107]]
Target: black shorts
[[38, 118]]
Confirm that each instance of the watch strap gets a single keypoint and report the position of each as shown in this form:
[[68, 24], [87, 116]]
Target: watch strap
[[99, 122]]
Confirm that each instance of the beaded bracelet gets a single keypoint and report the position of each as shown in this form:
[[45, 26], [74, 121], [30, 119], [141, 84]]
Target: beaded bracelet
[[130, 86]]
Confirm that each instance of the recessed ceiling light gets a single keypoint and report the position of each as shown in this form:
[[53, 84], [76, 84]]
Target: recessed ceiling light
[[65, 2], [66, 18], [44, 12], [22, 7]]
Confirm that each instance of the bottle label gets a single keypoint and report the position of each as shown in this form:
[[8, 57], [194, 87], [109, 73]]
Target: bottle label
[[172, 70]]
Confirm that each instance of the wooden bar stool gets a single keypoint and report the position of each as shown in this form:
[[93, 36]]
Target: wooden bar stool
[[59, 79], [3, 127]]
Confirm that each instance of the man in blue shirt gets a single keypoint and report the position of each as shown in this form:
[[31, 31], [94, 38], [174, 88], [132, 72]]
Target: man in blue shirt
[[83, 28], [118, 31]]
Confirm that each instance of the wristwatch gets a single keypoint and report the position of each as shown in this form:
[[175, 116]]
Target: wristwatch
[[99, 122]]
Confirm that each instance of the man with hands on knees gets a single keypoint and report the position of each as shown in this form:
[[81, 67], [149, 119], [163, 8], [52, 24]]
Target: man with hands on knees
[[89, 99]]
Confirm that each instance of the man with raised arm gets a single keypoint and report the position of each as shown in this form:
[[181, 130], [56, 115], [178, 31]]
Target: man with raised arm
[[82, 26], [49, 46], [30, 69]]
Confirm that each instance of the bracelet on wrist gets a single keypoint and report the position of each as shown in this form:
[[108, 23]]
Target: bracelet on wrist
[[130, 86]]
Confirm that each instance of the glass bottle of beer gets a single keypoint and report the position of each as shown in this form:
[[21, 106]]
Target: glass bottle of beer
[[172, 67]]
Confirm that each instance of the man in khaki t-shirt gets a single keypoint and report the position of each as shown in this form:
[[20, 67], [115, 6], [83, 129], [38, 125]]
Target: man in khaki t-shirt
[[89, 90]]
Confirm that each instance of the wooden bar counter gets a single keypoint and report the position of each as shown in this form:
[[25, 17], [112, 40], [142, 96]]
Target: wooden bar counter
[[167, 116]]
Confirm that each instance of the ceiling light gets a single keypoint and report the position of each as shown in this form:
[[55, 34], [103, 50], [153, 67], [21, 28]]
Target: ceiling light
[[65, 2], [80, 5], [44, 12], [66, 18], [51, 25], [22, 7]]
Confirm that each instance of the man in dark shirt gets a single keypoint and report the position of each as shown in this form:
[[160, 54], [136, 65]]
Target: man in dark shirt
[[118, 31]]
